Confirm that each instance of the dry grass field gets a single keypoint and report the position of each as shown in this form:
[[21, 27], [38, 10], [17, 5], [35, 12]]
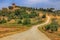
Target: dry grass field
[[6, 30]]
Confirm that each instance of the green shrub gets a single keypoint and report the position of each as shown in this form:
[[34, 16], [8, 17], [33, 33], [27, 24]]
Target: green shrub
[[52, 27], [26, 22], [44, 16], [2, 21], [19, 22], [47, 27]]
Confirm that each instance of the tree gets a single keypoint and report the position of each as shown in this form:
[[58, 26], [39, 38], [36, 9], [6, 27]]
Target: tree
[[52, 27], [3, 21], [17, 12], [47, 27], [19, 22], [41, 9], [4, 11], [0, 13], [33, 14], [50, 9], [12, 15], [44, 16], [26, 22]]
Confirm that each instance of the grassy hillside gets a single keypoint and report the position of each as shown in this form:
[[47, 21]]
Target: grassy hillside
[[17, 18], [20, 15]]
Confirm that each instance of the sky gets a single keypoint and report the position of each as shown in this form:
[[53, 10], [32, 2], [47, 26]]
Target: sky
[[32, 3]]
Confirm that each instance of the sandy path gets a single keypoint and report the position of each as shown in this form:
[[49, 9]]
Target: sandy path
[[32, 34]]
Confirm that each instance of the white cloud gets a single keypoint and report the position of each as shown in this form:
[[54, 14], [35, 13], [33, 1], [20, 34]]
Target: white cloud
[[36, 1]]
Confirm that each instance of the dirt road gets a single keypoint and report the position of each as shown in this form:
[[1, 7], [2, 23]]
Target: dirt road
[[32, 34]]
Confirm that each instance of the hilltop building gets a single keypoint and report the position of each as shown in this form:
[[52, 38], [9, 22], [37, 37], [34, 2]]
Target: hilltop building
[[12, 8]]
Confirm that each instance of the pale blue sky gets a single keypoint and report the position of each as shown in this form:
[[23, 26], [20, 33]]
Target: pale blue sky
[[32, 3]]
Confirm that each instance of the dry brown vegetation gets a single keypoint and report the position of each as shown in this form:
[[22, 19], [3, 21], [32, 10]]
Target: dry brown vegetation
[[5, 31]]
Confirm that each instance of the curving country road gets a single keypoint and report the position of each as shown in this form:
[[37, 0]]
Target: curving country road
[[32, 34]]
